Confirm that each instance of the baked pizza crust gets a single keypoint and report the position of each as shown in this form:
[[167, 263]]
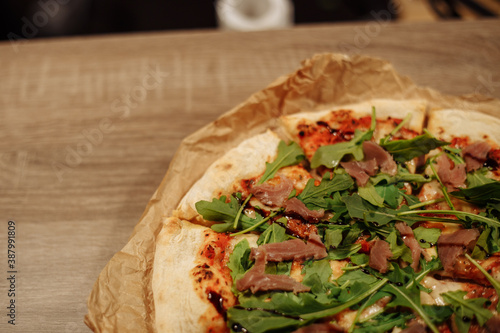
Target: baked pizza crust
[[180, 304], [449, 123], [384, 108], [246, 161]]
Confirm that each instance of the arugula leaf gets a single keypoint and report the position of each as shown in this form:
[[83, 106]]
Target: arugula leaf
[[493, 208], [384, 322], [466, 309], [273, 234], [463, 217], [438, 314], [454, 154], [315, 197], [337, 206], [353, 234], [259, 321], [331, 155], [409, 298], [479, 195], [400, 178], [343, 252], [357, 275], [405, 150], [278, 268], [411, 200], [427, 236], [239, 261], [290, 154], [360, 259], [481, 250], [370, 194], [478, 178], [391, 195], [359, 293], [333, 237], [363, 210], [316, 276], [218, 210], [396, 129], [398, 248]]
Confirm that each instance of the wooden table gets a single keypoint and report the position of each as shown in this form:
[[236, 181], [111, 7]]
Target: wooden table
[[89, 125]]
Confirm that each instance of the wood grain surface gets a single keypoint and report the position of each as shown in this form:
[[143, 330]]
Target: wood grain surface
[[88, 127]]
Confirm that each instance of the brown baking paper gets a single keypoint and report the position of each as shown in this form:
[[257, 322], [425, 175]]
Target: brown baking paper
[[121, 299]]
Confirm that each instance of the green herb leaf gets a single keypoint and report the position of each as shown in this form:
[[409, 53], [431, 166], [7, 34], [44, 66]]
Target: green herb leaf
[[390, 194], [403, 176], [426, 236], [454, 154], [438, 314], [239, 261], [317, 274], [343, 252], [273, 234], [478, 178], [408, 298], [337, 206], [384, 322], [357, 275], [316, 197], [260, 321], [278, 268], [405, 150], [290, 154], [359, 293], [333, 237], [411, 200], [360, 259], [466, 309], [362, 209], [479, 195], [218, 210], [481, 250], [398, 247], [370, 194], [396, 129]]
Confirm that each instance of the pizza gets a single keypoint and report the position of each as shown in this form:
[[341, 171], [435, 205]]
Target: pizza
[[381, 216]]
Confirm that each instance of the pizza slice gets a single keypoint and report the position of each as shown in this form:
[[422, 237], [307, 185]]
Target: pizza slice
[[191, 279]]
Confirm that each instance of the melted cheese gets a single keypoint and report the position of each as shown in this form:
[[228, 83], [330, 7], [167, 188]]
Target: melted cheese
[[336, 266], [438, 288]]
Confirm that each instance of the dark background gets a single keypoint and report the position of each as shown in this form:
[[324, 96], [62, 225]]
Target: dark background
[[48, 18], [77, 17]]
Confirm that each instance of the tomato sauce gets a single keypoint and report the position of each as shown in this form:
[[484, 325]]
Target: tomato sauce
[[340, 126]]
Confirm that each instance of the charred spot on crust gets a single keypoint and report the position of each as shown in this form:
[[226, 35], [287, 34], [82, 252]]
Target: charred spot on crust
[[202, 272], [247, 184]]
